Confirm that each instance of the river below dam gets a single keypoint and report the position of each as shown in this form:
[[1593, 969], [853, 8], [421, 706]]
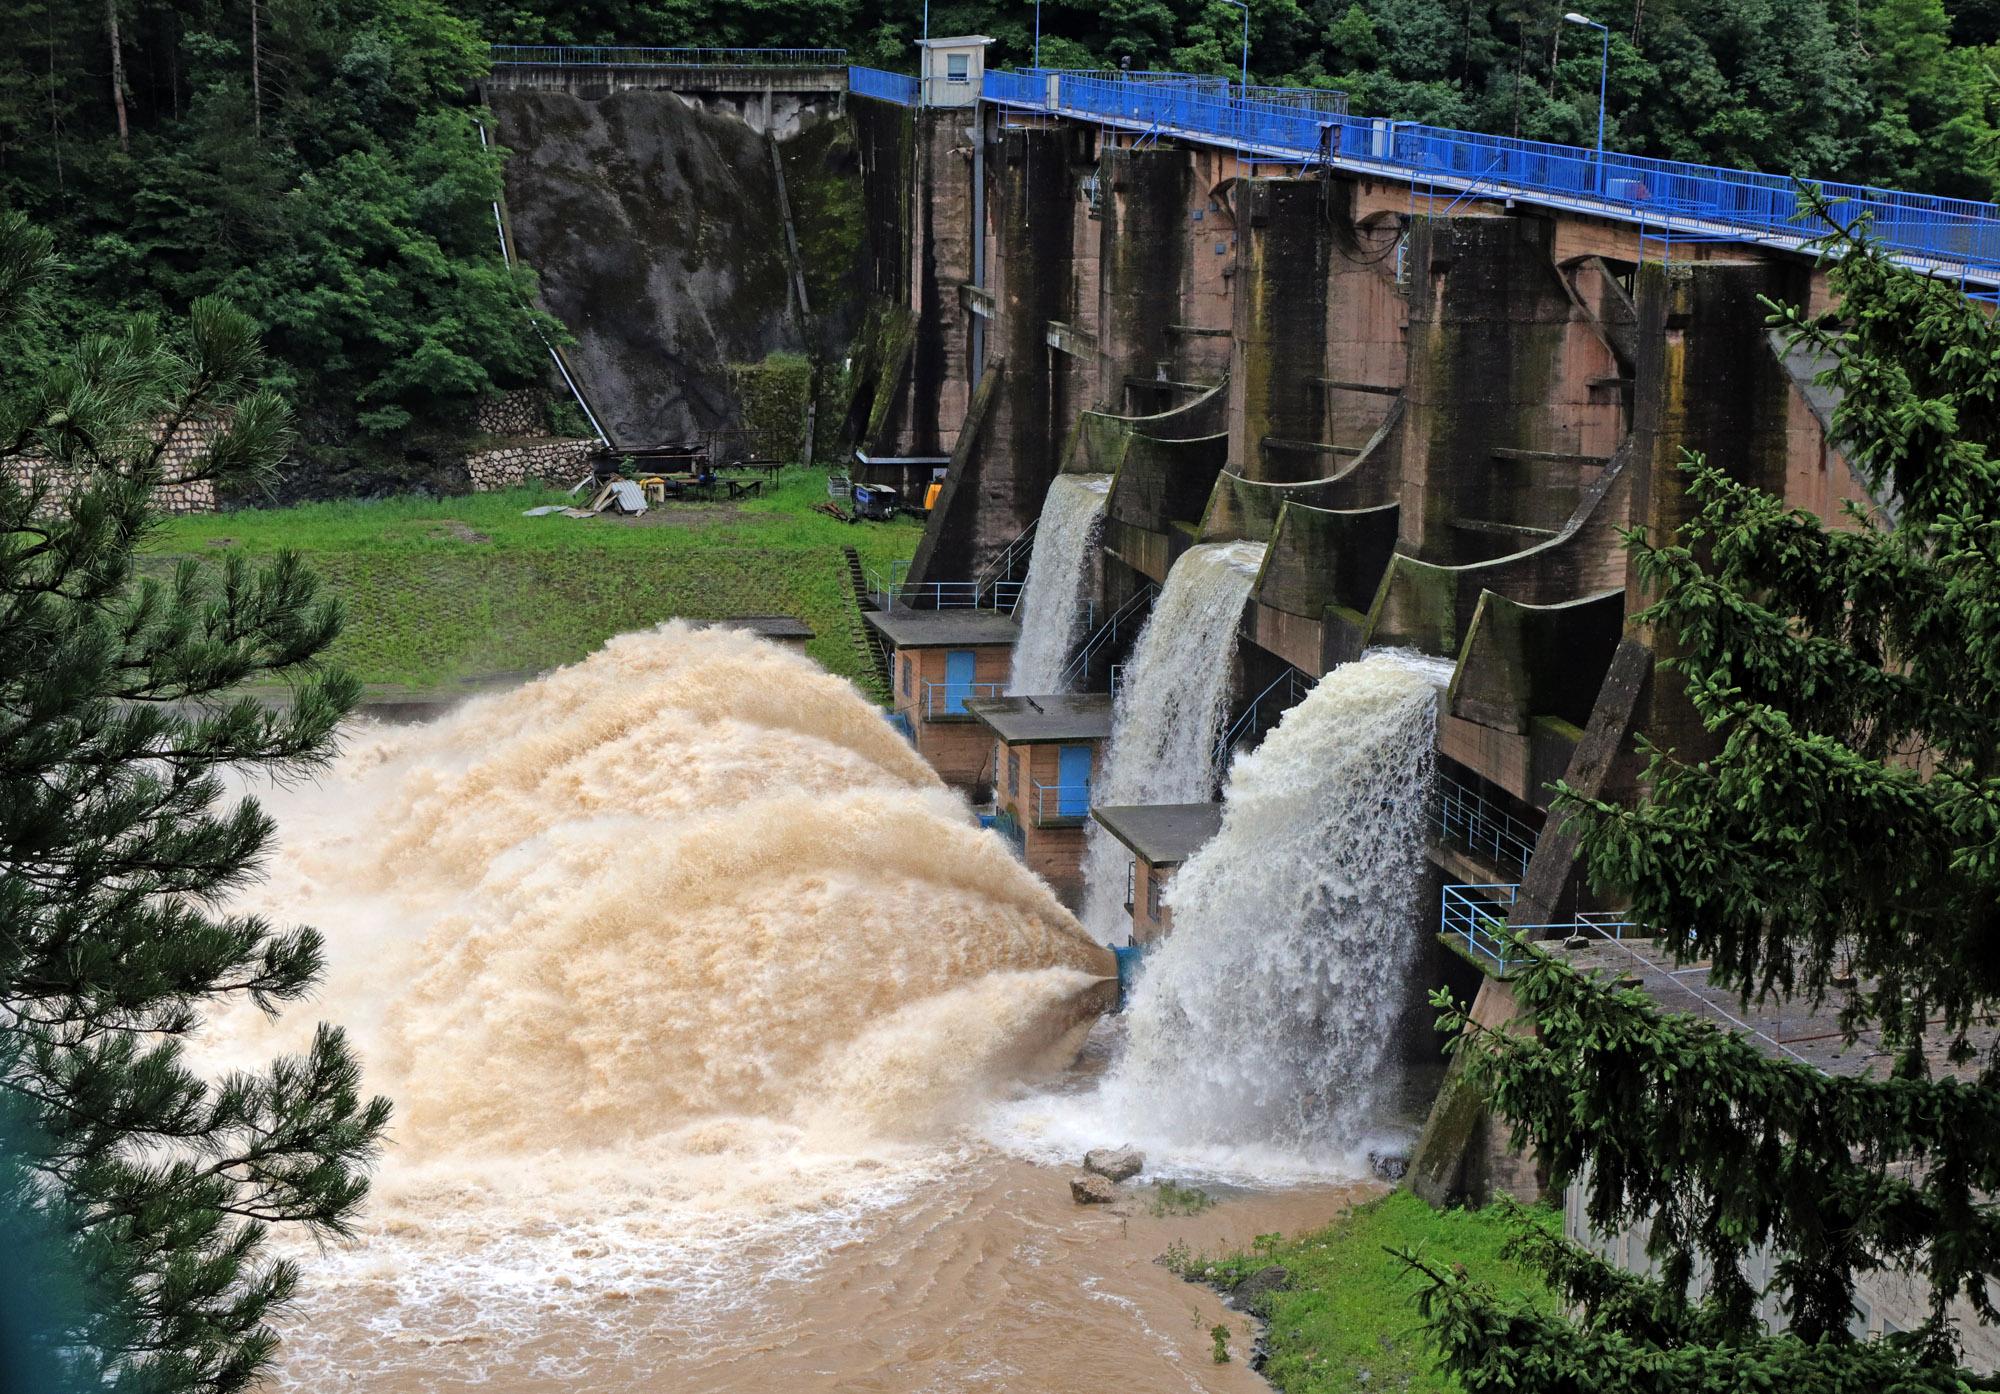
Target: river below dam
[[728, 1052], [972, 1272]]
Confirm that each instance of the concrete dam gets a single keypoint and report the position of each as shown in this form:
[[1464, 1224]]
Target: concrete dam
[[1273, 575]]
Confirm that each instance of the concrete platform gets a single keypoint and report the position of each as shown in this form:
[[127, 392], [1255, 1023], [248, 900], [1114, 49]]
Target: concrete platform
[[1786, 1028], [942, 629], [1164, 834], [1046, 720]]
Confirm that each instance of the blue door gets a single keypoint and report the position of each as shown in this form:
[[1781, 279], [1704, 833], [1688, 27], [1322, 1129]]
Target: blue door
[[958, 669], [1073, 775]]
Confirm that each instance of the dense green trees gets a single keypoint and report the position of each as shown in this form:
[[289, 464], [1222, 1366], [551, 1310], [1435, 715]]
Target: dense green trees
[[314, 160], [118, 840], [1838, 845]]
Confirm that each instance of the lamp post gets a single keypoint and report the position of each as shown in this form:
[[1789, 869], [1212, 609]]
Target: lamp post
[[1244, 93], [1603, 75]]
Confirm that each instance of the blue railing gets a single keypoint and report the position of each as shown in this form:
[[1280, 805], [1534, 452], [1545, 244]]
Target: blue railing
[[1016, 89], [888, 589], [887, 87], [1477, 917], [1467, 819], [1132, 613], [1958, 234], [603, 56], [1262, 712]]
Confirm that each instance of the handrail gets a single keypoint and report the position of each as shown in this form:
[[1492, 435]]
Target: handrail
[[1015, 554], [1929, 229], [623, 56], [1062, 792], [956, 695], [1472, 821], [1140, 602], [900, 88], [1295, 684], [887, 591], [1465, 912]]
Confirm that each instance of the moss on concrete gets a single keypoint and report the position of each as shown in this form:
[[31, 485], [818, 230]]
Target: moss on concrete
[[773, 396]]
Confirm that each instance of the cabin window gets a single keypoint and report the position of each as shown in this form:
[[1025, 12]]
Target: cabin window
[[958, 67], [1153, 897], [1131, 885], [1014, 774]]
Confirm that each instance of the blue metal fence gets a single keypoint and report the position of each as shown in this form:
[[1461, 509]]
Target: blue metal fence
[[1476, 915], [887, 87], [597, 56], [1956, 235]]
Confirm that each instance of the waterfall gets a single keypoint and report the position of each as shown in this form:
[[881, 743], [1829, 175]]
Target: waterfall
[[1170, 709], [1051, 608], [1264, 1018]]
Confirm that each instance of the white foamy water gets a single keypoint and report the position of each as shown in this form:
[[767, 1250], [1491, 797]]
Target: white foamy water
[[1052, 602], [1170, 709], [1256, 1043], [678, 964]]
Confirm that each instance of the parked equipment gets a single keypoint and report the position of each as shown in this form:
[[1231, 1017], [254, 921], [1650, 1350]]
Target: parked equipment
[[876, 501]]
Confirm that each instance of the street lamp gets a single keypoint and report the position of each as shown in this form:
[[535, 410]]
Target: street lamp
[[1239, 4], [1603, 74]]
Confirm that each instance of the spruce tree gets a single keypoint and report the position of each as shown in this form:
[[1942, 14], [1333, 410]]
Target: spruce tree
[[120, 713], [1841, 845]]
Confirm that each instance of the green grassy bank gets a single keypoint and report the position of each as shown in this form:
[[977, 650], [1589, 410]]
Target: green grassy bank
[[445, 593], [1345, 1318]]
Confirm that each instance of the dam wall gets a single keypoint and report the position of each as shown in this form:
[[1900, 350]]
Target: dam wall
[[1427, 415]]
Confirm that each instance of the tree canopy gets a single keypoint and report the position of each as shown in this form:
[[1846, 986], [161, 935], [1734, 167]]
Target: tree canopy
[[317, 162]]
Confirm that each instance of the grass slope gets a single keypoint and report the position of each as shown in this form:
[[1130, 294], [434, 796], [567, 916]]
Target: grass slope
[[446, 592], [1346, 1318]]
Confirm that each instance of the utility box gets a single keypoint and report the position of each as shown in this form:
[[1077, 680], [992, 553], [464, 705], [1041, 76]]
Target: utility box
[[952, 71]]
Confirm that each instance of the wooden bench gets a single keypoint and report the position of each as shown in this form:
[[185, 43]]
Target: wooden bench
[[743, 488]]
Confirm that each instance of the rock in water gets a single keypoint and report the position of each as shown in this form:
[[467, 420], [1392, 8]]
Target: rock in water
[[1390, 1166], [1088, 1188], [1249, 1294], [1115, 1163]]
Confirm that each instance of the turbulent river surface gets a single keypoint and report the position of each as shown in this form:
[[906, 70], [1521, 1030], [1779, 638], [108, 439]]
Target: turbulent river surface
[[728, 1053]]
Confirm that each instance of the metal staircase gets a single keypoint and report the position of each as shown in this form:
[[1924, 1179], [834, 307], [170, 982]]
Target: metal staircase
[[1261, 713], [1007, 572], [874, 651], [1125, 619]]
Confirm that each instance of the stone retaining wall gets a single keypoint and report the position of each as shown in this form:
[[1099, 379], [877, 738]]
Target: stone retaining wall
[[550, 461], [185, 453], [523, 412]]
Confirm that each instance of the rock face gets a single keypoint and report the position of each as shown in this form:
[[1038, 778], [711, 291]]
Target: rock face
[[1088, 1188], [1115, 1163]]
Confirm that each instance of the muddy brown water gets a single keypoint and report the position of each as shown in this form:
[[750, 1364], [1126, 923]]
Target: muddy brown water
[[720, 1039], [989, 1278]]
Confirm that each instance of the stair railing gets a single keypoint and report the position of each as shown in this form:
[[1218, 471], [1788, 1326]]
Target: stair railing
[[1126, 617]]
